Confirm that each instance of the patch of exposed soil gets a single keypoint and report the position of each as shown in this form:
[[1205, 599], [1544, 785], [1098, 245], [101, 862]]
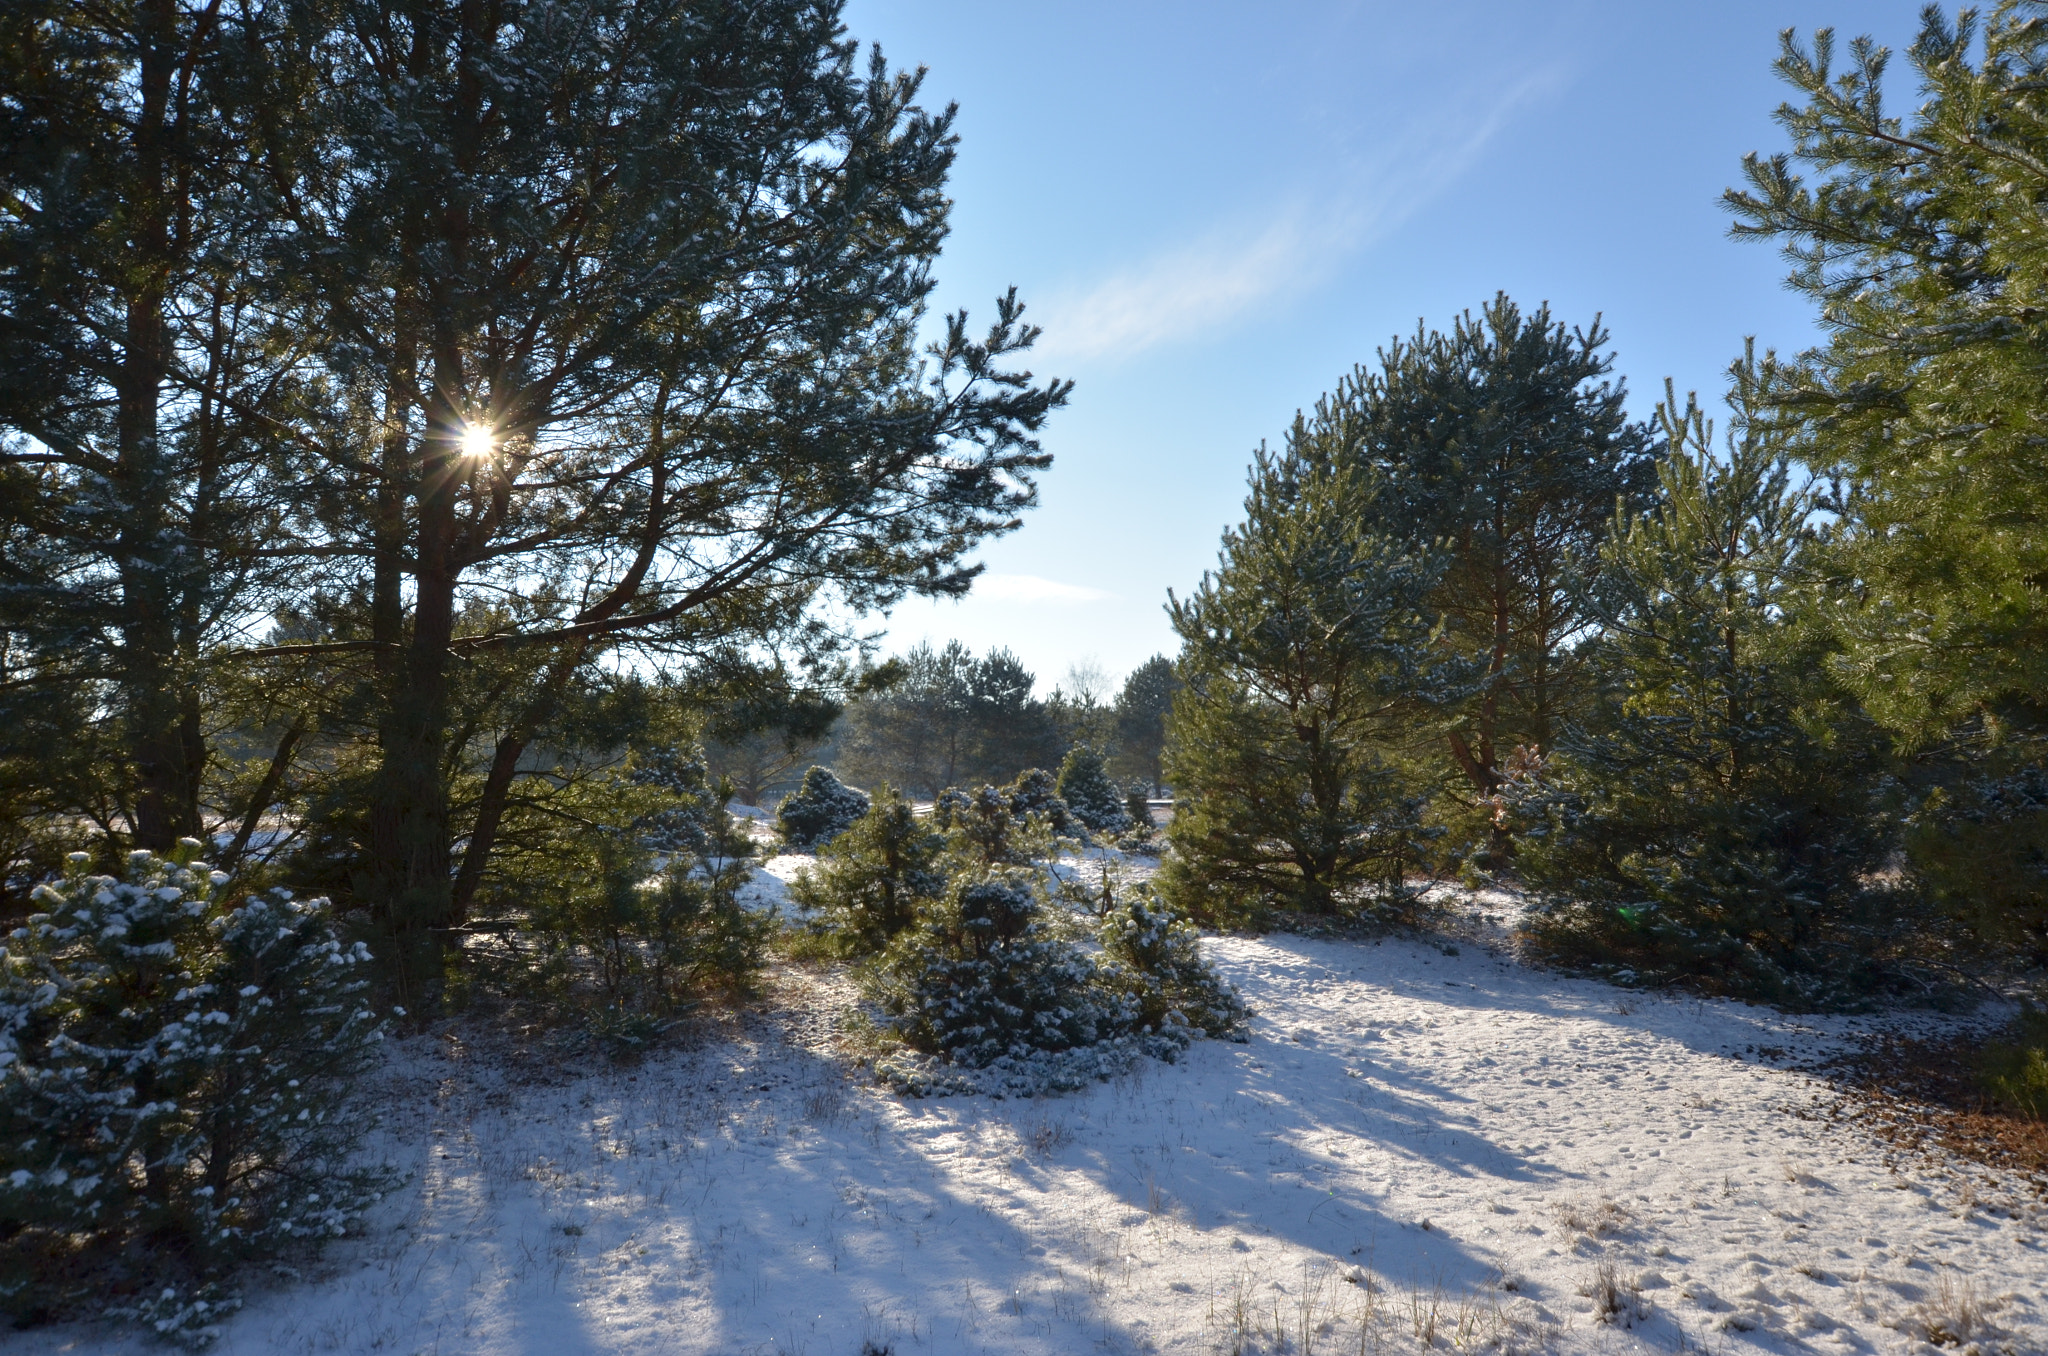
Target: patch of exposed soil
[[1923, 1098]]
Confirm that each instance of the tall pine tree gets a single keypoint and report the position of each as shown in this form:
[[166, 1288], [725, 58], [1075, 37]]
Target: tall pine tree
[[138, 389], [619, 303], [1309, 654], [1715, 818], [1920, 242], [1503, 441]]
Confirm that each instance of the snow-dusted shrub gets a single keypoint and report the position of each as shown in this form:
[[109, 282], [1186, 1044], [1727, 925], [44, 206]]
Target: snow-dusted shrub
[[687, 929], [657, 922], [1153, 958], [984, 977], [687, 820], [1035, 1073], [951, 804], [187, 1317], [1089, 792], [873, 878], [988, 996], [1138, 805], [821, 809], [983, 828], [1035, 795], [172, 1072]]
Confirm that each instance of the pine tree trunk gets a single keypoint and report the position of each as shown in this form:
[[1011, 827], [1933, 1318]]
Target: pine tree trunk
[[161, 726], [410, 853]]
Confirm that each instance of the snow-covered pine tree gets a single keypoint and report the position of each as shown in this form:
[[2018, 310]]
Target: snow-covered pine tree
[[1309, 657], [173, 1069], [1138, 805], [686, 823], [984, 829], [873, 879], [819, 810], [1035, 796], [983, 977], [1085, 785], [1153, 957], [949, 806], [1696, 827]]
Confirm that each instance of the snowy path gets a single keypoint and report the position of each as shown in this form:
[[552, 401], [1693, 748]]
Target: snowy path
[[1455, 1148]]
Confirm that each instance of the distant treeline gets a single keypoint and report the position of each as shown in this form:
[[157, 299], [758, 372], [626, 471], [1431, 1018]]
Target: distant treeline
[[938, 717]]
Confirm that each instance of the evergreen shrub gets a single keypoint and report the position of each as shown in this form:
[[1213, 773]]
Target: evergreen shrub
[[1153, 957], [1981, 846], [632, 914], [821, 809], [688, 815], [873, 879], [994, 826], [2015, 1070], [1035, 795], [1138, 805], [1768, 897], [173, 1071], [984, 976], [1085, 785], [656, 923], [990, 991]]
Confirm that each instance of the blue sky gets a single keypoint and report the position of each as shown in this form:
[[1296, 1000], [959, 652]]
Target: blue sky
[[1215, 210]]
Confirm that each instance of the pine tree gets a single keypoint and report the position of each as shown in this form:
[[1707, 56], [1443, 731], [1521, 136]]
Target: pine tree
[[173, 1075], [984, 977], [949, 718], [1141, 710], [1088, 791], [1718, 821], [1138, 805], [1152, 956], [872, 881], [1920, 244], [819, 810], [916, 728], [708, 415], [140, 391], [1309, 656], [1034, 798], [1502, 441]]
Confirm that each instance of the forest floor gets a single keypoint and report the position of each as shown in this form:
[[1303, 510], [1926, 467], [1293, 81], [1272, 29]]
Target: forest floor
[[1424, 1144]]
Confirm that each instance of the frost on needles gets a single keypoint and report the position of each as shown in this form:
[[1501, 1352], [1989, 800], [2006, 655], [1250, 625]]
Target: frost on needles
[[173, 1065]]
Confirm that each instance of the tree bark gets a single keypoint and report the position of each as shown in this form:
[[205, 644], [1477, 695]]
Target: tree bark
[[410, 853], [166, 789]]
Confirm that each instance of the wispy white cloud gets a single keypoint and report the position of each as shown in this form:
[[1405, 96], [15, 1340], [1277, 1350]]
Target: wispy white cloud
[[1194, 289], [1228, 274], [1030, 588]]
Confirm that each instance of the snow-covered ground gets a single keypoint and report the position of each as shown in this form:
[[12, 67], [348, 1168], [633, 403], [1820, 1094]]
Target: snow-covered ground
[[1414, 1149]]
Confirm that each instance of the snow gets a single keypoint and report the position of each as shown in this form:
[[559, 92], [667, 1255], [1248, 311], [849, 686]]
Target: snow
[[1421, 1140]]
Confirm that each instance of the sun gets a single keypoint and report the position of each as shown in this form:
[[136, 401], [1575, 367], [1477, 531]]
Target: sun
[[476, 440]]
